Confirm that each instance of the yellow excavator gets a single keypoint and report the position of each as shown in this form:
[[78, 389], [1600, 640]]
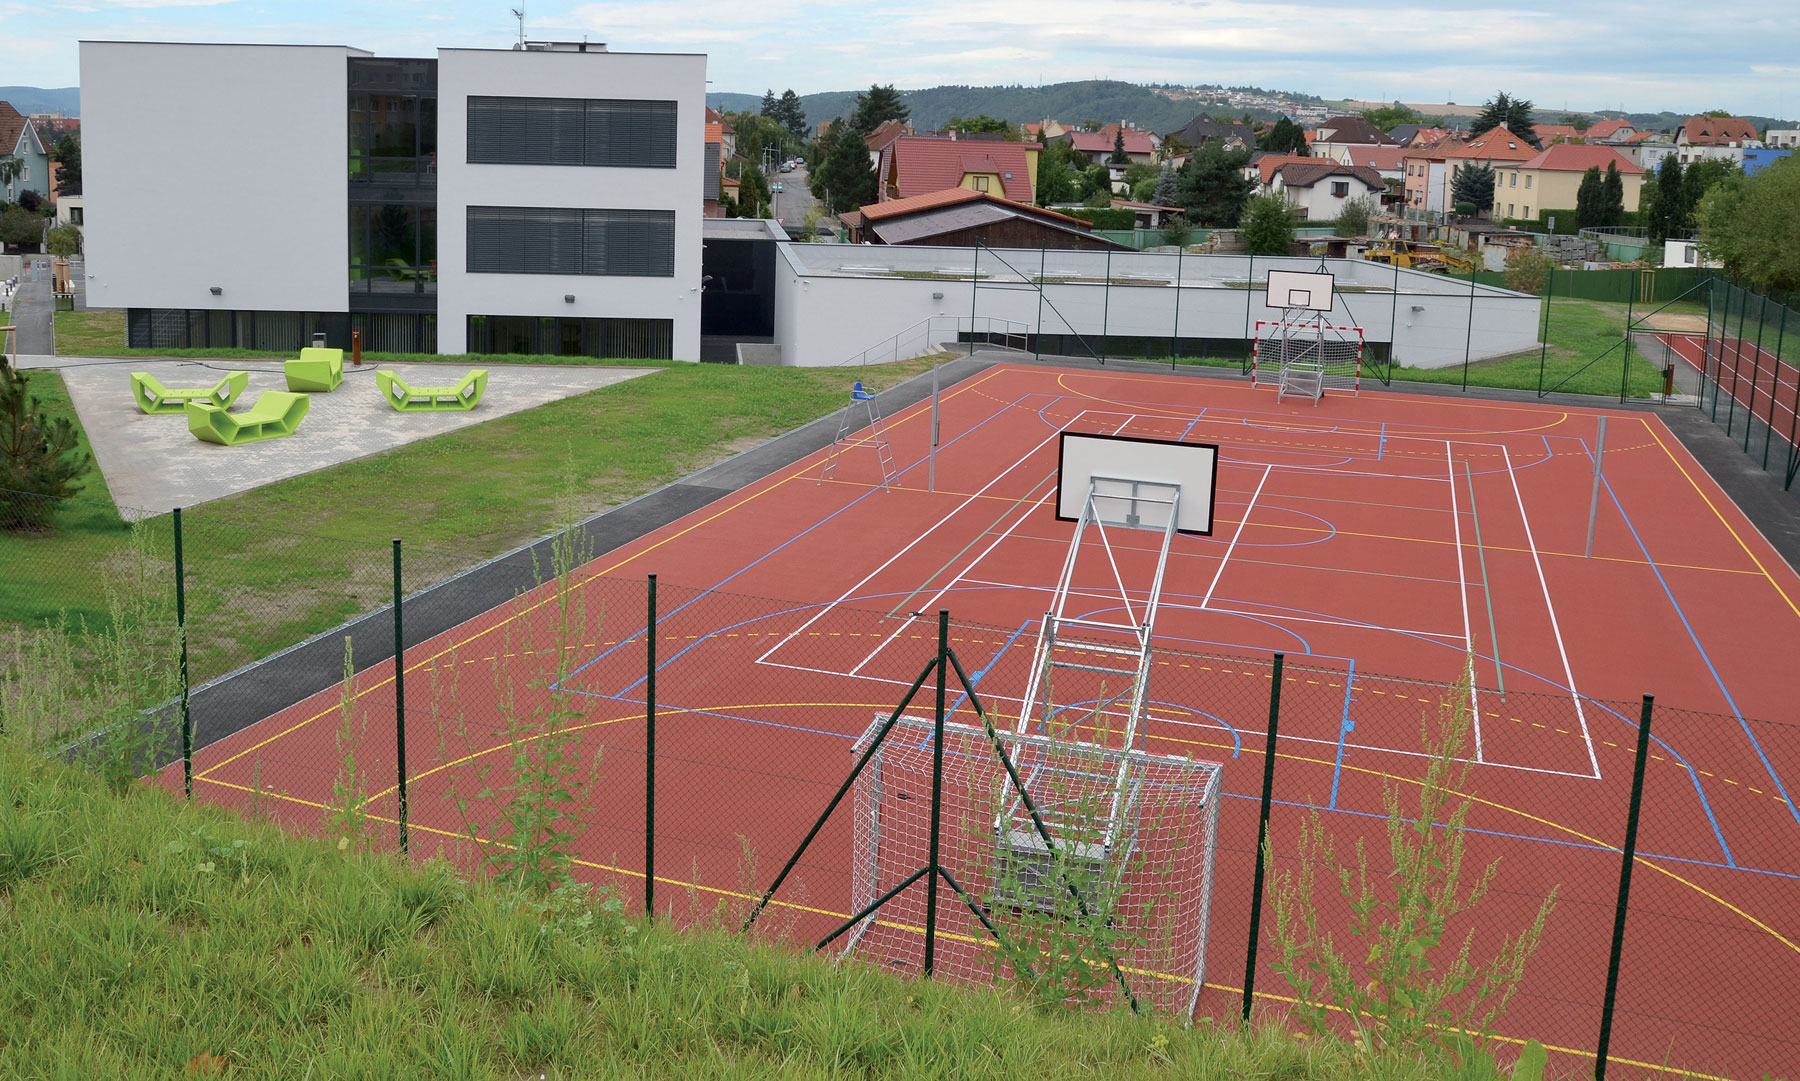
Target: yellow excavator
[[1431, 258]]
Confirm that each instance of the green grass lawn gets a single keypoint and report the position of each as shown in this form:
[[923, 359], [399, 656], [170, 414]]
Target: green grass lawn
[[270, 567], [148, 938], [1584, 356], [102, 334]]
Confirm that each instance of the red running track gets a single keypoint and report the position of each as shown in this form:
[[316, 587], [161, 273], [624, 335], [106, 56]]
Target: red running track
[[1758, 380], [1376, 540]]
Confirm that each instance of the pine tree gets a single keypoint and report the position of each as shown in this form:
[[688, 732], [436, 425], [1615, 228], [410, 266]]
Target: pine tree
[[846, 177], [40, 456], [1267, 227], [1505, 111], [791, 113], [1668, 216], [1119, 157], [768, 104], [1167, 186], [1284, 138], [1213, 187], [1612, 196], [1589, 200], [1474, 184], [881, 103]]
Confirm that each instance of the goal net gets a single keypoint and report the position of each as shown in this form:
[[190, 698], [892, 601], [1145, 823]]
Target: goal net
[[1134, 834], [1306, 357]]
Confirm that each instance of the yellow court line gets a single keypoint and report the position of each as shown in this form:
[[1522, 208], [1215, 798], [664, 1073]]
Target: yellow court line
[[1721, 517]]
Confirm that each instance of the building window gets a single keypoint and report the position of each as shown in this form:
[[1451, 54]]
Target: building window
[[1509, 211], [981, 183], [1512, 180], [1528, 180], [1340, 188], [555, 240], [572, 131], [1527, 210], [633, 339]]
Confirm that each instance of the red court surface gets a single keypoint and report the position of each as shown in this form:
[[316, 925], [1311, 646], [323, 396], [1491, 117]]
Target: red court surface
[[1378, 541]]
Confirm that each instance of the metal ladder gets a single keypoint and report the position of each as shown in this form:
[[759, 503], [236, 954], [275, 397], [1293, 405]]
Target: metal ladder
[[847, 422]]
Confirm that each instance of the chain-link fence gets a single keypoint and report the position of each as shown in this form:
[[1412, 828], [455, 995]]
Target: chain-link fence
[[1745, 363], [539, 726]]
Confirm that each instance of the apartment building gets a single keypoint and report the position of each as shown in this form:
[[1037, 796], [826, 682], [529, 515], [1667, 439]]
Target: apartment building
[[543, 199]]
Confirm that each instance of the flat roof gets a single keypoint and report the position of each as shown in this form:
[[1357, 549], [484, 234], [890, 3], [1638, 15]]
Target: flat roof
[[741, 229]]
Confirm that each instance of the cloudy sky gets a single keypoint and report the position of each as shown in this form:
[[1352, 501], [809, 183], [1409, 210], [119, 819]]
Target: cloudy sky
[[1584, 54]]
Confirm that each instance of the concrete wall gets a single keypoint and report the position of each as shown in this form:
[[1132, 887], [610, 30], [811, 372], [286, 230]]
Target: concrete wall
[[665, 77], [268, 223], [833, 302]]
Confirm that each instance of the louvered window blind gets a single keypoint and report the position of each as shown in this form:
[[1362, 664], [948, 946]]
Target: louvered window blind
[[572, 131], [554, 240]]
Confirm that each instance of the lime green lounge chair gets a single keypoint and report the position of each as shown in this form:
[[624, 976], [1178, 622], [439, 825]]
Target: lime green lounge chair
[[316, 371], [154, 398], [276, 413], [409, 399]]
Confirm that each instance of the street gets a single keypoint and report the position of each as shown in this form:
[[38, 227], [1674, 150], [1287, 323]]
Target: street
[[795, 201]]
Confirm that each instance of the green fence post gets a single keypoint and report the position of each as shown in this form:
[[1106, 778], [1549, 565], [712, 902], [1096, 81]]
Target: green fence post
[[1106, 307], [1628, 854], [1249, 281], [1625, 368], [1469, 331], [1762, 320], [1038, 352], [937, 791], [1175, 328], [1262, 838], [650, 754], [1393, 324], [187, 723], [1544, 343], [400, 698], [1775, 384]]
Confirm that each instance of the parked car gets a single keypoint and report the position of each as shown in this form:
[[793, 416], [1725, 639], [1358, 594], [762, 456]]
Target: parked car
[[787, 166]]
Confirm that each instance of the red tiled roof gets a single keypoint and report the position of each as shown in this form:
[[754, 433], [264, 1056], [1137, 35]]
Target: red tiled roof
[[1717, 130], [1378, 158], [1033, 130], [715, 133], [12, 127], [1606, 128], [714, 117], [1438, 150], [918, 164], [885, 132], [1269, 164], [1495, 144], [1579, 158], [1549, 133], [894, 208], [1101, 142]]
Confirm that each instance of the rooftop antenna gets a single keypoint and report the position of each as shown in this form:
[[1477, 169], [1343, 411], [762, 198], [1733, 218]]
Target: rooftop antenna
[[519, 14]]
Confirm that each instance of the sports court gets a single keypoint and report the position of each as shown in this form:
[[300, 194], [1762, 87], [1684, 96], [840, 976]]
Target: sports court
[[1389, 544]]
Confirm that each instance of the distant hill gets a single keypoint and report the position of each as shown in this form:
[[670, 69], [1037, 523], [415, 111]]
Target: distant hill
[[1101, 100], [36, 99]]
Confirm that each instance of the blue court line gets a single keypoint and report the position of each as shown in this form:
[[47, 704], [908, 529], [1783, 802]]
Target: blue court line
[[1191, 423], [1729, 700], [1345, 727]]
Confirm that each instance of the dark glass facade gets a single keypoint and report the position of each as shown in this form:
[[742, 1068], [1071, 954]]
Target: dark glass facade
[[392, 157]]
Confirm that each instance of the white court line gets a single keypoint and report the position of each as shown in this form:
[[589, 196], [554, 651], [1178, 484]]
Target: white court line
[[1568, 673], [1462, 586], [1242, 522], [1020, 460], [926, 607]]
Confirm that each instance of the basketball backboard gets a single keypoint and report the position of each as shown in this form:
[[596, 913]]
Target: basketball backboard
[[1299, 289], [1133, 480]]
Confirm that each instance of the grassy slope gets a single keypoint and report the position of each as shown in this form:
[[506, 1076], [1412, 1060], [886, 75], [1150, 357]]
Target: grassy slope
[[148, 938], [271, 566]]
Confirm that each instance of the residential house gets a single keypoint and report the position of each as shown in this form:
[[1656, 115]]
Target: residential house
[[1262, 165], [1047, 129], [1426, 171], [959, 217], [1097, 146], [1388, 161], [1147, 215], [537, 200], [1719, 137], [1555, 133], [883, 136], [71, 210], [920, 164], [1550, 179], [1319, 188], [1647, 150], [714, 165], [1341, 132], [1111, 130], [1686, 253], [1756, 159], [53, 126], [1411, 135], [1402, 134], [727, 134], [1495, 148], [19, 139], [1203, 130], [1782, 138], [1611, 131], [820, 129]]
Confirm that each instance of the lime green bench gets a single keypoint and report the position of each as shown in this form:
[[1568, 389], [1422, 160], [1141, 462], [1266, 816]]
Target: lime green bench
[[316, 371], [410, 399], [154, 398], [276, 413]]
